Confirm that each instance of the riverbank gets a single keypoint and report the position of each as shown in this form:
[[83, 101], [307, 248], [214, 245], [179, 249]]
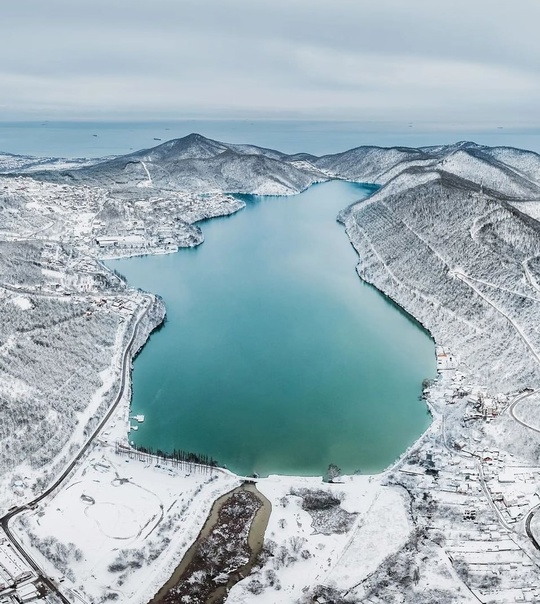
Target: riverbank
[[227, 548]]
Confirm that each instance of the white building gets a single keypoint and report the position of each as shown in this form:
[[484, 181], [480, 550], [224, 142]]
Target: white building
[[27, 592], [11, 564]]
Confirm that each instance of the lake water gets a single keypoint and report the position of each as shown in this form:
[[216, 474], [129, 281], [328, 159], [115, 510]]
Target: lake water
[[276, 358]]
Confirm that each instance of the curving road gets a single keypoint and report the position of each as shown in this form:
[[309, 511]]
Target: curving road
[[530, 515], [511, 410], [528, 527], [4, 521]]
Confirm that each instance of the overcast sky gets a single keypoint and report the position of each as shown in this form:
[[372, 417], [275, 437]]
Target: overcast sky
[[476, 61]]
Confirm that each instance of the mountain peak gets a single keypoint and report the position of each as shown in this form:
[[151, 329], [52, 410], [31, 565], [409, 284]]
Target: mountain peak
[[195, 137], [465, 145], [192, 146]]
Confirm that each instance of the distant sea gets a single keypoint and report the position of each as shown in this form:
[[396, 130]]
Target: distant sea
[[98, 139]]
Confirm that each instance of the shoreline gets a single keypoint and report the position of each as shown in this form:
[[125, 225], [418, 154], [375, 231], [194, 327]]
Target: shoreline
[[124, 407], [380, 468], [125, 410]]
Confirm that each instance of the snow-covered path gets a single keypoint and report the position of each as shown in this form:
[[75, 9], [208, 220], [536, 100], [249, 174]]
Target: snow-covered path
[[518, 329], [5, 520]]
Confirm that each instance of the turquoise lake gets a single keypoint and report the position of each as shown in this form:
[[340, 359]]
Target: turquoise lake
[[276, 357]]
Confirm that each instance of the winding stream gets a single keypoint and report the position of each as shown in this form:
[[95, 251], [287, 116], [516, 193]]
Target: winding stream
[[255, 542]]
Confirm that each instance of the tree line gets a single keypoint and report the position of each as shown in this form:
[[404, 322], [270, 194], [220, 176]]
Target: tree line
[[178, 458]]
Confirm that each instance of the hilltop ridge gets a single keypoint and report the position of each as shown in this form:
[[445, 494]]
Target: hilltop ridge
[[195, 163]]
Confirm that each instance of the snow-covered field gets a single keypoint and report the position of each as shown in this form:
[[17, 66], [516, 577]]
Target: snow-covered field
[[380, 527], [126, 523]]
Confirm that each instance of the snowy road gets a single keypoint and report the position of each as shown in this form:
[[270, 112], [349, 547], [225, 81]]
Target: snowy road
[[512, 412], [5, 520]]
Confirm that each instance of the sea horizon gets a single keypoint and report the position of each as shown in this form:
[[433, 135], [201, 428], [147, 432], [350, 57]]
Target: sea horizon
[[101, 138]]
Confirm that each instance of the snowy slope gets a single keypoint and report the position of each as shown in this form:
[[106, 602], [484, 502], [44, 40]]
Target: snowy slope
[[367, 163], [197, 164], [513, 172], [455, 258]]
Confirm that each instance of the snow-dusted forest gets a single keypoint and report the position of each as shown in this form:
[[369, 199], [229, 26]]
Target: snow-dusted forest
[[64, 321], [462, 261]]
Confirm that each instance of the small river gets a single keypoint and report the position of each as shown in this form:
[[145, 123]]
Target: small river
[[276, 357]]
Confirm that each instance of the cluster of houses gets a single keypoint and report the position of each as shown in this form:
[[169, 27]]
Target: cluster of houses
[[485, 407], [475, 494], [515, 490], [124, 307], [134, 236], [480, 405], [16, 578], [473, 534]]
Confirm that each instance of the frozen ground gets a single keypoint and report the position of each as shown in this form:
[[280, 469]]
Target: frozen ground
[[301, 556], [125, 522], [452, 237]]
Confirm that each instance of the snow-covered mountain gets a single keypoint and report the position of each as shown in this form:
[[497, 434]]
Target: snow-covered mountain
[[369, 163], [462, 260], [196, 164], [513, 172], [451, 236]]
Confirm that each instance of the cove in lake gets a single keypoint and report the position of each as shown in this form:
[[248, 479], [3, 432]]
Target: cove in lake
[[276, 357]]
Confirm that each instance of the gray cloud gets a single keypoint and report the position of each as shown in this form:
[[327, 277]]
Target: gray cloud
[[370, 59]]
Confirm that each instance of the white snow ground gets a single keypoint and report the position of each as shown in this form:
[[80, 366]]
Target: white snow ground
[[447, 523]]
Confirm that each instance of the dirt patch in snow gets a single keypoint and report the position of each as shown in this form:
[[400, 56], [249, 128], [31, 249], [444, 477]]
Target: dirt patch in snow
[[325, 509]]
